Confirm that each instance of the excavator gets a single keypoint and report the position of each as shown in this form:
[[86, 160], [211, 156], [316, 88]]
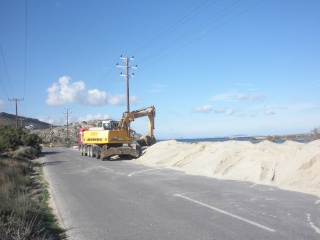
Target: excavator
[[113, 138]]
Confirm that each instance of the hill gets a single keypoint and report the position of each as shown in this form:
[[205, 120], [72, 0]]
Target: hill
[[10, 120]]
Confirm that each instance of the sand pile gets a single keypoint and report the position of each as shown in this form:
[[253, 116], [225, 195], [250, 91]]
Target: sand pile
[[290, 165]]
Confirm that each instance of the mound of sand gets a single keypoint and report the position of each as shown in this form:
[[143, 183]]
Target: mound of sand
[[291, 165]]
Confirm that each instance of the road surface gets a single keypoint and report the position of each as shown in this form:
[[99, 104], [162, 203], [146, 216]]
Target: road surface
[[123, 200]]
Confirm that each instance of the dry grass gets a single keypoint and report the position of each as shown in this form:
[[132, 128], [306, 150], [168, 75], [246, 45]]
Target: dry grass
[[22, 215]]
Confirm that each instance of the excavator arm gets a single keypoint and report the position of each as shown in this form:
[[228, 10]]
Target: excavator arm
[[127, 118]]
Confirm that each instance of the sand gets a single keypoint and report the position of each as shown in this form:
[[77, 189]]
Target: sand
[[290, 165]]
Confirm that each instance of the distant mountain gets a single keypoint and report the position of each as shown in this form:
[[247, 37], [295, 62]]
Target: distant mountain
[[10, 120]]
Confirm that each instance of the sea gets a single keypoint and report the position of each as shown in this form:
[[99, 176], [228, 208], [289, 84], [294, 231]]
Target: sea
[[224, 139]]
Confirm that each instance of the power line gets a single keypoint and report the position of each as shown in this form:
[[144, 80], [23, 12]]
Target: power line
[[180, 39], [3, 87], [5, 66], [218, 16], [191, 31], [171, 26], [25, 48], [213, 19], [221, 17], [67, 113]]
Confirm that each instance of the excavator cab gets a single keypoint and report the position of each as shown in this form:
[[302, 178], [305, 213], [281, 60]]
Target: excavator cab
[[109, 124]]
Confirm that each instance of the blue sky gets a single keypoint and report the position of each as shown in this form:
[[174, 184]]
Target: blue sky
[[210, 67]]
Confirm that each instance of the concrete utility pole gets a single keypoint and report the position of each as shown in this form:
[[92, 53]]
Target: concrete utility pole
[[16, 100], [67, 113], [21, 120], [127, 76], [51, 134]]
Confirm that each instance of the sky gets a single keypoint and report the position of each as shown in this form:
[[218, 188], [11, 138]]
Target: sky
[[210, 67]]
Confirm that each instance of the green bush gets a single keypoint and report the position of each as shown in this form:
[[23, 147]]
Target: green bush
[[12, 138]]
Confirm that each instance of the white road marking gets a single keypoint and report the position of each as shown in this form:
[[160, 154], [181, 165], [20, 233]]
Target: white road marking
[[312, 225], [82, 171], [317, 202], [152, 169], [227, 213], [108, 169]]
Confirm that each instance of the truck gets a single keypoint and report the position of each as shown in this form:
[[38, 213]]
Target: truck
[[111, 138]]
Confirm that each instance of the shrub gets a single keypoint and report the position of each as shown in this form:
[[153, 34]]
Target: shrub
[[26, 152], [12, 138]]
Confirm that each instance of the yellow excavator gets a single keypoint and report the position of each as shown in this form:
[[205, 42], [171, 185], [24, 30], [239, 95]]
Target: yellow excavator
[[112, 138]]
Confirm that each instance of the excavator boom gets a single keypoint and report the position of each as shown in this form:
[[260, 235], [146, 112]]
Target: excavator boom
[[127, 118]]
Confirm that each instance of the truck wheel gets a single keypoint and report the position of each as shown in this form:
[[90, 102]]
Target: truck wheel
[[86, 151], [98, 153], [93, 154], [89, 151]]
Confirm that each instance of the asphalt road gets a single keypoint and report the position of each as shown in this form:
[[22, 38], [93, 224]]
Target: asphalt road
[[122, 200]]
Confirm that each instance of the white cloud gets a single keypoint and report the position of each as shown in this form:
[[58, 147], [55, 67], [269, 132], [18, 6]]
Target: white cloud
[[93, 117], [269, 112], [203, 109], [300, 107], [223, 97], [54, 121], [219, 110], [226, 111], [230, 112], [236, 96], [63, 92], [66, 92], [251, 97]]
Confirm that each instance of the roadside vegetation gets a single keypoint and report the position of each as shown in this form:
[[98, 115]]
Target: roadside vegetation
[[24, 207], [313, 135]]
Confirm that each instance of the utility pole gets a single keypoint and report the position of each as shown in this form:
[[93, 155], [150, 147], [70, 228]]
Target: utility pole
[[51, 135], [16, 100], [67, 113], [127, 76], [21, 121]]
